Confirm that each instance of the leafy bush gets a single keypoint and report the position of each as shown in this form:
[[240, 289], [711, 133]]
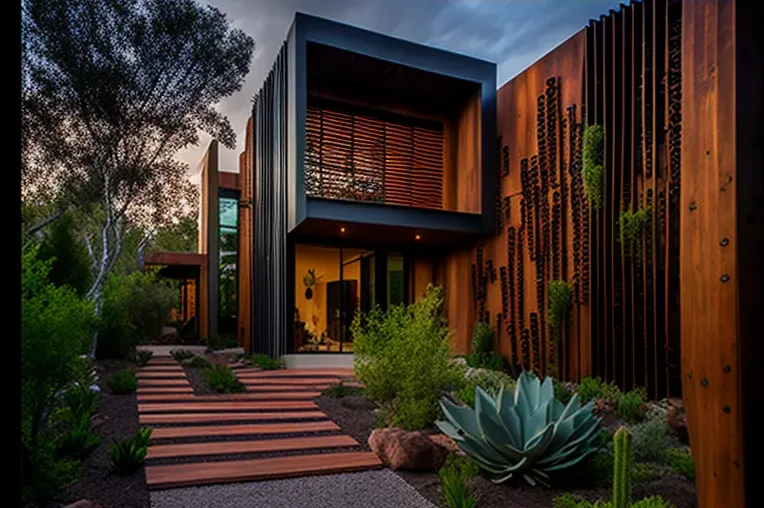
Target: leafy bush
[[223, 380], [601, 466], [45, 473], [225, 341], [630, 405], [79, 401], [265, 362], [454, 490], [646, 472], [490, 361], [123, 382], [79, 441], [142, 357], [181, 354], [561, 392], [681, 463], [340, 390], [651, 440], [593, 388], [527, 433], [129, 454], [135, 307], [489, 380], [483, 339], [197, 362], [463, 465], [402, 356]]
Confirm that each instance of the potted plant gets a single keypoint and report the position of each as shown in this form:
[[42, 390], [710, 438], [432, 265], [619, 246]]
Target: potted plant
[[309, 280]]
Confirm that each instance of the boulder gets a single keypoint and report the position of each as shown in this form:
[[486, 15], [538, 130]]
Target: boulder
[[83, 503], [446, 443], [407, 450], [677, 420]]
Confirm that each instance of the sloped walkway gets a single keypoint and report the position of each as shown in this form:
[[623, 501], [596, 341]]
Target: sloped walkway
[[273, 431]]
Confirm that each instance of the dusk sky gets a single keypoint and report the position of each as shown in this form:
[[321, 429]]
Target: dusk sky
[[511, 33]]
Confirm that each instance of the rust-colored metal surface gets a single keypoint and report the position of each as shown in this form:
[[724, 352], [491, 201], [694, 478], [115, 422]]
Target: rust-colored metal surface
[[244, 261]]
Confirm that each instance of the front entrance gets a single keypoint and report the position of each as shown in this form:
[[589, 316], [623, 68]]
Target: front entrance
[[333, 283]]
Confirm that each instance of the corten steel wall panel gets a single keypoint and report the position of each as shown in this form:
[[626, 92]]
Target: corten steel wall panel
[[318, 30], [245, 253], [541, 221], [721, 243], [271, 316], [209, 243], [634, 83]]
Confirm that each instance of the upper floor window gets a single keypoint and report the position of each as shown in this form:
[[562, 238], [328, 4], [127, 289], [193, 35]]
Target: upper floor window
[[364, 156]]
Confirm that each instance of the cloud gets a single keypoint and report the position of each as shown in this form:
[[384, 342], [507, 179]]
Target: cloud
[[512, 33]]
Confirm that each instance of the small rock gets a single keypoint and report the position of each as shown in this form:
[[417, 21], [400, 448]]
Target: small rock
[[677, 419], [83, 503], [458, 361], [409, 450], [98, 420], [446, 443]]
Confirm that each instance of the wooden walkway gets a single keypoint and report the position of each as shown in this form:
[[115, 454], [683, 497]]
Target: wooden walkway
[[273, 430]]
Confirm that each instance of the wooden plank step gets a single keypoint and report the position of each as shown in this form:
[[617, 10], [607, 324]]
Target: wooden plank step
[[242, 430], [162, 360], [162, 368], [179, 374], [169, 397], [165, 389], [258, 380], [154, 419], [226, 406], [181, 475], [302, 373], [259, 446], [257, 387], [163, 382]]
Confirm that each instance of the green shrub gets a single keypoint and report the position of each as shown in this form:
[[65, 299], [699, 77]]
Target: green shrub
[[197, 362], [483, 339], [573, 501], [681, 463], [265, 362], [56, 328], [129, 454], [651, 440], [225, 341], [561, 392], [142, 357], [463, 465], [593, 388], [652, 502], [340, 390], [45, 473], [70, 262], [630, 405], [601, 467], [402, 355], [181, 354], [490, 361], [489, 380], [454, 490], [79, 441], [79, 401], [123, 382], [594, 164], [135, 307], [646, 472], [223, 379], [380, 418]]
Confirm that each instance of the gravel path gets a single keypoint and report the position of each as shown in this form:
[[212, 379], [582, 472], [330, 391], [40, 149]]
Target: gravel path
[[369, 489]]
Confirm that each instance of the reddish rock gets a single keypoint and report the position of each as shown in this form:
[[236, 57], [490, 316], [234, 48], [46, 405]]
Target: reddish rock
[[677, 419], [446, 443], [83, 503], [409, 450]]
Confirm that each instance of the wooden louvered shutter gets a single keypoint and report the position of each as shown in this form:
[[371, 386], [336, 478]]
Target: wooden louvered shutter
[[362, 158]]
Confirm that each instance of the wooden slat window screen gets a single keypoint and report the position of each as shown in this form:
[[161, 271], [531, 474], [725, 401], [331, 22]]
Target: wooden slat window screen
[[362, 158]]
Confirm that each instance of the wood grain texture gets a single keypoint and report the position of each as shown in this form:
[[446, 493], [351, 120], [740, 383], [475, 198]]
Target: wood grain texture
[[244, 261], [229, 396], [153, 419], [225, 406], [259, 446], [179, 475], [242, 430]]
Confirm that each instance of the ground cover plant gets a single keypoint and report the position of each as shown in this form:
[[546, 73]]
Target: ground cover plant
[[266, 362], [223, 379], [339, 390], [123, 382], [129, 454], [181, 354]]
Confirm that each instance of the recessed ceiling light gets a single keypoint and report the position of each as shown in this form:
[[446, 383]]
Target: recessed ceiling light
[[418, 237], [342, 229]]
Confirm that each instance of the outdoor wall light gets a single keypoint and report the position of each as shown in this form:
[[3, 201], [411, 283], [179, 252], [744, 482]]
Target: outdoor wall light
[[342, 229], [418, 237]]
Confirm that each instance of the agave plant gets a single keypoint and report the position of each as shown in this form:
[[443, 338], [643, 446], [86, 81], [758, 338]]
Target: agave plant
[[528, 433]]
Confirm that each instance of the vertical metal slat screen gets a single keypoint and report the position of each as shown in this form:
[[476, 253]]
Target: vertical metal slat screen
[[362, 158], [270, 317]]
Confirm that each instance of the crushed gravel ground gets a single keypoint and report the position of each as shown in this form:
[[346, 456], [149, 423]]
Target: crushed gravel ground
[[369, 489]]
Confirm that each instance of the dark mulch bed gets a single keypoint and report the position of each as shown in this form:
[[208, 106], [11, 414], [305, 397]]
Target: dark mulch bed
[[118, 418], [354, 415]]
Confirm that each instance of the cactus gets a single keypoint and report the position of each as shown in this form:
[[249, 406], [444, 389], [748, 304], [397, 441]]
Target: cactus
[[622, 469]]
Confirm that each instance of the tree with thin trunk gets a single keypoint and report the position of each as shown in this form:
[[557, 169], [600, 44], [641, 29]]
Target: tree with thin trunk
[[111, 90]]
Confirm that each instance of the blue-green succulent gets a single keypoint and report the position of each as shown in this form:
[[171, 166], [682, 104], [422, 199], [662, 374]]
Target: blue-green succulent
[[528, 432]]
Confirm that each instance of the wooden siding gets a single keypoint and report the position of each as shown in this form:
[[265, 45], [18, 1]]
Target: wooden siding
[[208, 243], [467, 173], [244, 314], [722, 207], [270, 282]]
